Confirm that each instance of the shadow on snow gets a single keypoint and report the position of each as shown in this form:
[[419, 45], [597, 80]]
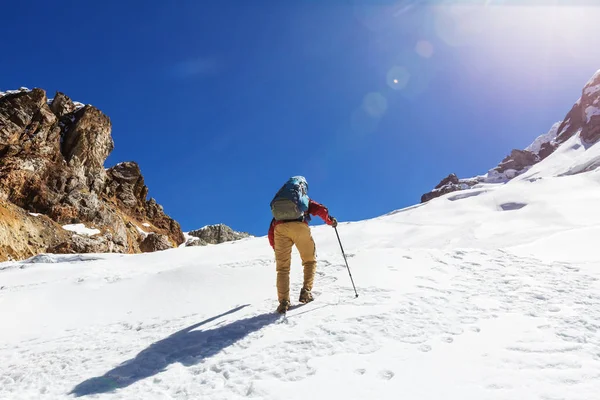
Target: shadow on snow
[[187, 347]]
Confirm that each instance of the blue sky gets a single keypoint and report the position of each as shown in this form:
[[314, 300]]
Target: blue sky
[[373, 101]]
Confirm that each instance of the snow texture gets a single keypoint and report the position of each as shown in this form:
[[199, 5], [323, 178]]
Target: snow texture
[[490, 296], [81, 229]]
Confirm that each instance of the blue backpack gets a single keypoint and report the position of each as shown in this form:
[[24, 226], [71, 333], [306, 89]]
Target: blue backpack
[[291, 201]]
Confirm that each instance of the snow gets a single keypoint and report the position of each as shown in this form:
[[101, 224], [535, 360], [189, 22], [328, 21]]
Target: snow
[[141, 231], [147, 225], [592, 90], [81, 229], [494, 295], [591, 111], [536, 146], [34, 214]]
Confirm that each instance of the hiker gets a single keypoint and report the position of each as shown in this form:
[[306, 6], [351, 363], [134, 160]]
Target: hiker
[[291, 208]]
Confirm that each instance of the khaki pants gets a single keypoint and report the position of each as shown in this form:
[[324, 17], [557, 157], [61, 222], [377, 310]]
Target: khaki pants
[[287, 235]]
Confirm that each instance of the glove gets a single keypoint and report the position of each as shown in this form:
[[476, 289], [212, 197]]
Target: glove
[[333, 222]]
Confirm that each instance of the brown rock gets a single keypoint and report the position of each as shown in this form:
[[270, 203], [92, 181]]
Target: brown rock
[[517, 160], [194, 241], [546, 149], [215, 234], [451, 179], [68, 182], [88, 139], [577, 119], [23, 235], [155, 242], [28, 126], [62, 105], [439, 192], [591, 132], [126, 184]]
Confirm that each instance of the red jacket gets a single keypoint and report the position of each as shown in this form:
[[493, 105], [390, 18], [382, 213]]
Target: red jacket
[[314, 208]]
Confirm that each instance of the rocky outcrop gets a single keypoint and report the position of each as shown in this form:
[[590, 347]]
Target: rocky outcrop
[[23, 235], [214, 234], [52, 158], [448, 185], [155, 242], [125, 185], [194, 241], [583, 119], [517, 161]]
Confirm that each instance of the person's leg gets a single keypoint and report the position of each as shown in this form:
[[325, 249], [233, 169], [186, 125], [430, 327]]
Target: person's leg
[[283, 260], [306, 247]]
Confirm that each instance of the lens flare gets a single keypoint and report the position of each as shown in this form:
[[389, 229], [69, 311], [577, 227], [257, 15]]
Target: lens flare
[[398, 77]]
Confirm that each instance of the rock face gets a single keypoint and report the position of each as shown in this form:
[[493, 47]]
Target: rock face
[[448, 185], [583, 120], [584, 117], [125, 185], [214, 234], [517, 160], [52, 163], [155, 242]]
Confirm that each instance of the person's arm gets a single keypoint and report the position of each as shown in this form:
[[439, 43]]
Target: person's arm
[[321, 211], [272, 234]]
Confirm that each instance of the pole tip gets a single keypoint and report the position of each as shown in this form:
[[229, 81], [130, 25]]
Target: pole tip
[[356, 295]]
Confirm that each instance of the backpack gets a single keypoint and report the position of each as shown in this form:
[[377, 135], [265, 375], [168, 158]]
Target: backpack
[[291, 201]]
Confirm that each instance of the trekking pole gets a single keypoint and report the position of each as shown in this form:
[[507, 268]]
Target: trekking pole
[[346, 260]]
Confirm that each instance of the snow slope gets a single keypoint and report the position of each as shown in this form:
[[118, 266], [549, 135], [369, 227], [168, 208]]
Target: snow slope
[[488, 293]]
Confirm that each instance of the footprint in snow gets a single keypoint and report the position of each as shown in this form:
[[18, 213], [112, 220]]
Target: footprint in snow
[[361, 371], [386, 374], [425, 348]]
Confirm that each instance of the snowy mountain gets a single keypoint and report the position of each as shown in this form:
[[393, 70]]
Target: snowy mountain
[[582, 120], [492, 293]]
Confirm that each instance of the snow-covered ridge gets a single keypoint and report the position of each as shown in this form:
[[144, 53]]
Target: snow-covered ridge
[[581, 121], [548, 137], [20, 90]]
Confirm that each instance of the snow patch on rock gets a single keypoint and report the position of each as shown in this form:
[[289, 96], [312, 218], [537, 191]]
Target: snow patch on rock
[[81, 229], [591, 111], [548, 137]]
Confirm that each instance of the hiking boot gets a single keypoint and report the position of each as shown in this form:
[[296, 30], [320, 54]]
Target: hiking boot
[[305, 296], [284, 305]]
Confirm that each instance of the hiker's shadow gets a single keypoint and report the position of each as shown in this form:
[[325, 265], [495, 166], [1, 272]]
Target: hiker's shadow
[[187, 346]]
